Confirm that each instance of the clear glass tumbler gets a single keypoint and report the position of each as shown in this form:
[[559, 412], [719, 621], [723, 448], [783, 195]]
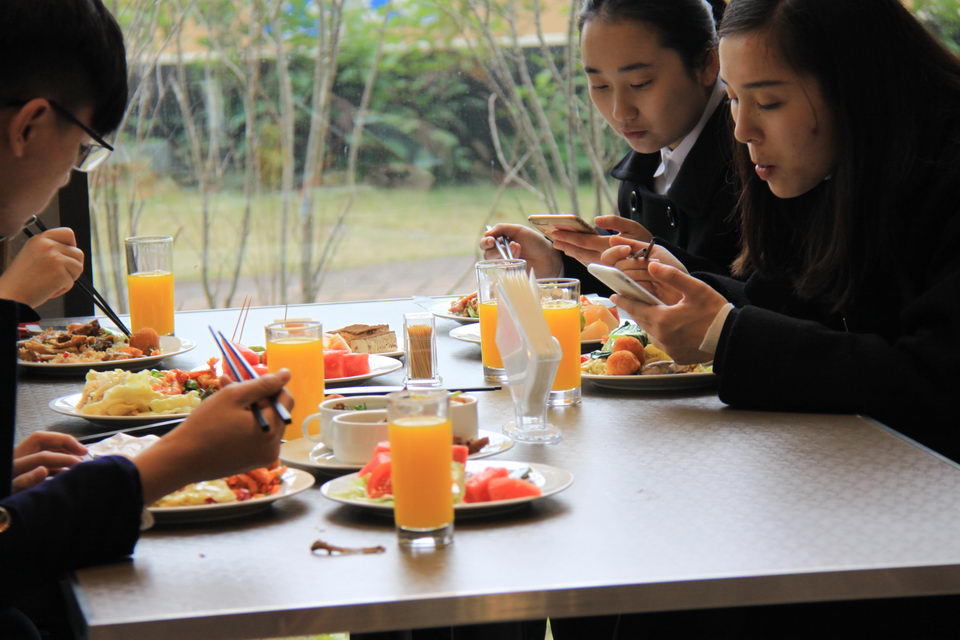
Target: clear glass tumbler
[[488, 272], [150, 283], [560, 298], [421, 459]]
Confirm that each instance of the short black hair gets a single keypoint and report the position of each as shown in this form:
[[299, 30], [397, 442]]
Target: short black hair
[[689, 27], [70, 51]]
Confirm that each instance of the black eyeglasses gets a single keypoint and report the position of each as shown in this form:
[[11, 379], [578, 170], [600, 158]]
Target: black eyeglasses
[[91, 155]]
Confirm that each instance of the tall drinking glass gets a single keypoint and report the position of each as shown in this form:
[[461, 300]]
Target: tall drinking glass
[[421, 459], [488, 272], [150, 283], [297, 345], [560, 299]]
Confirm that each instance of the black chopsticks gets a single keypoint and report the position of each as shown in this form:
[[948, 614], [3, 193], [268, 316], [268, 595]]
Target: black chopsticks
[[224, 346], [92, 293]]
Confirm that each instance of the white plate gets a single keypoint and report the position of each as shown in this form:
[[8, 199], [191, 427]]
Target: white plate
[[442, 310], [654, 382], [169, 346], [551, 480], [308, 454], [471, 333], [67, 405], [379, 365], [294, 481]]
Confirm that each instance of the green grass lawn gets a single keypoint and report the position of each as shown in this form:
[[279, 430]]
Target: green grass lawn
[[382, 226]]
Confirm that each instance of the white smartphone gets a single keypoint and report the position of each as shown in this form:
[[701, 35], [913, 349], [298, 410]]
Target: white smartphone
[[547, 222], [622, 284]]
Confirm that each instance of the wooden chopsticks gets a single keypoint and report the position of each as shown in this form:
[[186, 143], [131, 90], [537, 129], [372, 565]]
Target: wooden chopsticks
[[92, 293], [224, 345]]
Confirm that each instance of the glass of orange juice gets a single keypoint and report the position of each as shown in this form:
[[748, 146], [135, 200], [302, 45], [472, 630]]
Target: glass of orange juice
[[297, 345], [560, 299], [150, 283], [488, 272], [421, 459]]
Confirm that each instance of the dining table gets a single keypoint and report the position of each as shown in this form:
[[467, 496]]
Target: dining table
[[677, 502]]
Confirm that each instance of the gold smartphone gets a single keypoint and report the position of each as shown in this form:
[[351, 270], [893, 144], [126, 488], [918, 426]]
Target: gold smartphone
[[560, 222]]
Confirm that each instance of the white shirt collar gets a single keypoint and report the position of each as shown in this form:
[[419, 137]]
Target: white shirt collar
[[672, 159]]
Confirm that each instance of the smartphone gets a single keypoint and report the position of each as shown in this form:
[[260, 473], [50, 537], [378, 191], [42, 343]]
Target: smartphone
[[622, 283], [561, 222]]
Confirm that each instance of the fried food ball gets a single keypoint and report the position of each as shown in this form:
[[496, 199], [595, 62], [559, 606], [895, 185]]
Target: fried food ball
[[146, 340], [631, 344], [622, 363]]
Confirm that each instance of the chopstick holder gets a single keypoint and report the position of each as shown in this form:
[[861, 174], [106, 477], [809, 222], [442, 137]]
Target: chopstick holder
[[224, 345]]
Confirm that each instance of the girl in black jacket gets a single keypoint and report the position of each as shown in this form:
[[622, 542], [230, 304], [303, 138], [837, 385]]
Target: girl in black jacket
[[651, 66], [848, 115]]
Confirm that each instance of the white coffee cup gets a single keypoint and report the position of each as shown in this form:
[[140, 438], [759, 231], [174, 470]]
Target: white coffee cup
[[463, 415], [327, 410], [355, 434]]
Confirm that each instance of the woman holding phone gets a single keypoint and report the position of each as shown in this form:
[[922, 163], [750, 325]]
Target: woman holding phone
[[848, 119], [651, 68]]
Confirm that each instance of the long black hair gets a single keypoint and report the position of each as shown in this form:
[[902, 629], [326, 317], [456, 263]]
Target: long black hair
[[686, 26], [894, 92]]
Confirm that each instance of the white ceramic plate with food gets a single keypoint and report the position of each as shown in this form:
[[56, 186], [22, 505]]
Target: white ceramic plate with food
[[303, 453], [169, 346], [654, 382], [442, 310], [471, 333], [294, 481], [551, 480], [379, 365], [67, 406]]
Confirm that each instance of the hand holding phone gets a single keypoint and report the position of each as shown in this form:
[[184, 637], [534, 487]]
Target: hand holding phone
[[622, 284], [547, 223]]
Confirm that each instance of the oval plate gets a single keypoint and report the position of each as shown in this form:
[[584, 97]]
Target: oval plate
[[442, 310], [379, 365], [294, 481], [551, 480], [654, 382], [67, 406], [169, 346], [316, 456], [471, 333]]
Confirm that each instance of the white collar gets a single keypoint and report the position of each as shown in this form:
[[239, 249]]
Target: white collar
[[672, 159]]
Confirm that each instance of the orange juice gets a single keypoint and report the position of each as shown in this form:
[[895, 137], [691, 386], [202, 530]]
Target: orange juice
[[422, 482], [151, 301], [563, 318], [304, 358], [488, 335]]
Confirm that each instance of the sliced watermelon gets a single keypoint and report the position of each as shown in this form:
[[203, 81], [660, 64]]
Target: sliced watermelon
[[355, 364], [477, 486], [507, 488], [460, 453], [333, 363]]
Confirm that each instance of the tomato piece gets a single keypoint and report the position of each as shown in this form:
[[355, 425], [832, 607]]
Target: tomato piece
[[333, 363], [356, 364], [379, 482], [508, 488], [379, 458], [460, 453]]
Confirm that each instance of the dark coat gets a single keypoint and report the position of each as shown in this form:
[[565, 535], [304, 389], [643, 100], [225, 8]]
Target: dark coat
[[891, 353], [83, 516], [695, 219]]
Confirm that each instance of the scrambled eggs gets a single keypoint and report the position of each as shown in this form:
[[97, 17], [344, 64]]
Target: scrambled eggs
[[207, 492]]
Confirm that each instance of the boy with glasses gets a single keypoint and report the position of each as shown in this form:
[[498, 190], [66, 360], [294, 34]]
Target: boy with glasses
[[63, 86]]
